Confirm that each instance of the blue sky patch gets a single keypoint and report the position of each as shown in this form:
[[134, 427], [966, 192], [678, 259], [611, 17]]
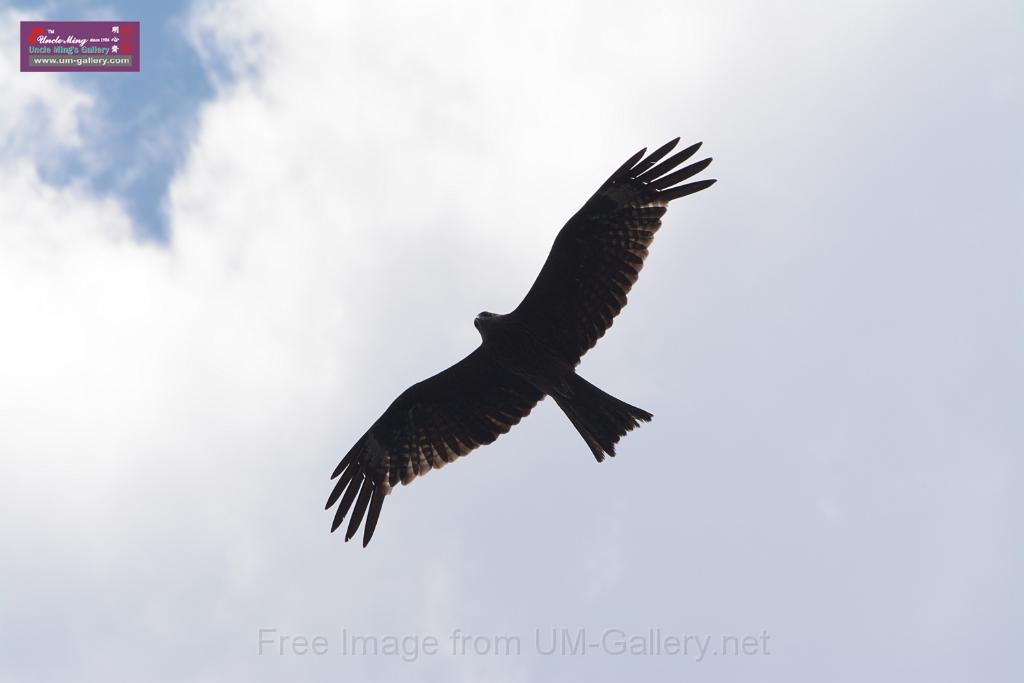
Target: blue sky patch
[[139, 131]]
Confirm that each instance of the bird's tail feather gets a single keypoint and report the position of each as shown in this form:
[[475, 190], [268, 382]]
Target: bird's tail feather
[[600, 418]]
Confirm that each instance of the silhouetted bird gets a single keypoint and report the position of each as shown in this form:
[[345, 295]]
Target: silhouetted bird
[[531, 352]]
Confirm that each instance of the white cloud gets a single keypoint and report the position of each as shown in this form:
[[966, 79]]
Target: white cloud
[[824, 347]]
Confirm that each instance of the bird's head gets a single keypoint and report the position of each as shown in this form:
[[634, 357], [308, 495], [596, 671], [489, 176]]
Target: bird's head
[[482, 318]]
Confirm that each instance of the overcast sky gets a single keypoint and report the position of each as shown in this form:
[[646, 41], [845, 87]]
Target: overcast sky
[[215, 274]]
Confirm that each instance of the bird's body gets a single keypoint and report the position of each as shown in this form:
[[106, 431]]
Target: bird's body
[[529, 353], [517, 348]]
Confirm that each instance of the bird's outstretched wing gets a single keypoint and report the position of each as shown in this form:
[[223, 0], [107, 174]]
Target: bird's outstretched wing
[[432, 423], [598, 254]]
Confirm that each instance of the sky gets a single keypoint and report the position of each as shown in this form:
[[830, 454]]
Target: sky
[[216, 273]]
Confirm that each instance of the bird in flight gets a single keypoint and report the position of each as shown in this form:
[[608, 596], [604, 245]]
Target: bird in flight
[[529, 353]]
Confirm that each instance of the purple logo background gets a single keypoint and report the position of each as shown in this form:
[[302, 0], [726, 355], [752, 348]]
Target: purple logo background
[[80, 46]]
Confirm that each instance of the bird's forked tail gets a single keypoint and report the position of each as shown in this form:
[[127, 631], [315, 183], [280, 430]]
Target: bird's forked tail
[[600, 418]]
